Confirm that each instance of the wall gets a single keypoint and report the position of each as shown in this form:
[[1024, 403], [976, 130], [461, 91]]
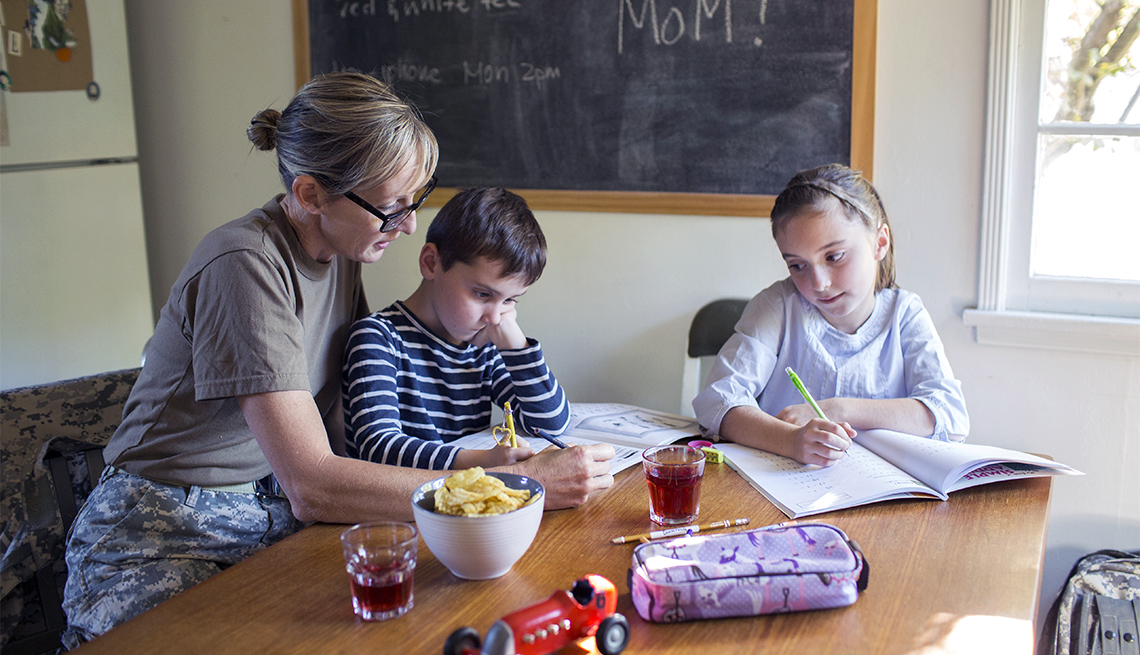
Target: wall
[[201, 70], [613, 307], [1080, 409]]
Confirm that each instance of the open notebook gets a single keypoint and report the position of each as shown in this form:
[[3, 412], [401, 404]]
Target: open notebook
[[882, 465]]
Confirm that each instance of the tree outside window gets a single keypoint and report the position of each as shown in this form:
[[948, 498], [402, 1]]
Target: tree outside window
[[1086, 217]]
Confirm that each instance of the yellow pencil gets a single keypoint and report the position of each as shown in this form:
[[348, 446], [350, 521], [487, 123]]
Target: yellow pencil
[[679, 531], [510, 421]]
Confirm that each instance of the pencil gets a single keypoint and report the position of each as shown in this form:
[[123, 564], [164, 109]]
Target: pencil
[[807, 396], [510, 421], [552, 439], [679, 531], [804, 392]]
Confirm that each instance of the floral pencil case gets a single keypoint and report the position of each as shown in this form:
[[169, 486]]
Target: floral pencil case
[[774, 569]]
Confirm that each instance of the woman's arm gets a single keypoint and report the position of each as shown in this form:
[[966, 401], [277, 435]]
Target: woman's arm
[[324, 487], [320, 485]]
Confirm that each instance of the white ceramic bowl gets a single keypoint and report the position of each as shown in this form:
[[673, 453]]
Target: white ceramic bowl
[[479, 547]]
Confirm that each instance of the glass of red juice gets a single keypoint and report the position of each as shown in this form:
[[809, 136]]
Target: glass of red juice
[[381, 561], [674, 475]]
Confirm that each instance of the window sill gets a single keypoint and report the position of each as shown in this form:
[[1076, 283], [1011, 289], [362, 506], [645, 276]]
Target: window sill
[[1071, 332]]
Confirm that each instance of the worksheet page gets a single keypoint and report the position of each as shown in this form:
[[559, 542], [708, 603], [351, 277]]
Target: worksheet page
[[801, 490]]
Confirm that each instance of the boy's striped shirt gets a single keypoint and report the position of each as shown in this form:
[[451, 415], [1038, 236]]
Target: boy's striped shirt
[[407, 391]]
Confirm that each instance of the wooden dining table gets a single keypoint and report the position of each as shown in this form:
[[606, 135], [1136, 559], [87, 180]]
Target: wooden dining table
[[960, 575]]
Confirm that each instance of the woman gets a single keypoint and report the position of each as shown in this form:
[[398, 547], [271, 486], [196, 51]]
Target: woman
[[240, 391]]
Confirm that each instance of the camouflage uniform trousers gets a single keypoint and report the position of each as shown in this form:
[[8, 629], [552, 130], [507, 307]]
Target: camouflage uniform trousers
[[137, 543]]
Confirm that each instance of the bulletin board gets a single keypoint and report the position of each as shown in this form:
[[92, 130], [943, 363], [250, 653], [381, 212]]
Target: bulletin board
[[47, 45], [702, 107]]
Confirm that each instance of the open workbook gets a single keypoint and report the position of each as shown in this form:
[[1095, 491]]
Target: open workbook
[[627, 428], [882, 465]]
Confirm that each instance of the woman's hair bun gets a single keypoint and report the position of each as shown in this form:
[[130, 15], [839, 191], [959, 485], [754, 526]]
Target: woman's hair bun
[[262, 129]]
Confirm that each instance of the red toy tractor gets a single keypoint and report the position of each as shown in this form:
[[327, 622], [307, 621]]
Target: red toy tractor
[[586, 610]]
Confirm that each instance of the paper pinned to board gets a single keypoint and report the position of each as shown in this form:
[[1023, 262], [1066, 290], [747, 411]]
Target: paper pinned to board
[[47, 45]]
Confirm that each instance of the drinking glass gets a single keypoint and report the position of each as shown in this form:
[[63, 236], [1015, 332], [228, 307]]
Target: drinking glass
[[674, 475], [381, 561]]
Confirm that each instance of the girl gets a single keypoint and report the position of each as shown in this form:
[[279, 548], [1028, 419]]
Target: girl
[[866, 348]]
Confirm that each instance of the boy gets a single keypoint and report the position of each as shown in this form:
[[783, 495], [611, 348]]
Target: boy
[[426, 371]]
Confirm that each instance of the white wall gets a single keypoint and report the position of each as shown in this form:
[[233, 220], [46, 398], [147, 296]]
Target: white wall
[[200, 71], [1081, 409], [613, 307]]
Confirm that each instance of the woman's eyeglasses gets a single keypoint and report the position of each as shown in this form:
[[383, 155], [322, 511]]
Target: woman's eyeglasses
[[393, 220]]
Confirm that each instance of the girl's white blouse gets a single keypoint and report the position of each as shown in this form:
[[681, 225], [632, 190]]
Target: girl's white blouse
[[896, 353]]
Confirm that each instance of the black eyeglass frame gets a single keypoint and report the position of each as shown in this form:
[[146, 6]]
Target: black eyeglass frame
[[393, 220]]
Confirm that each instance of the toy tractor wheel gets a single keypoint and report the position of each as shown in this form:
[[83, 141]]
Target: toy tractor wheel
[[613, 635], [463, 641]]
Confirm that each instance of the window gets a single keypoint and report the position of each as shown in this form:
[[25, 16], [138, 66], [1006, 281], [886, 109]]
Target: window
[[1061, 208]]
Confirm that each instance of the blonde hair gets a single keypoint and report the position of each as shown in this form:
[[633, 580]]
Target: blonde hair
[[816, 188], [347, 130]]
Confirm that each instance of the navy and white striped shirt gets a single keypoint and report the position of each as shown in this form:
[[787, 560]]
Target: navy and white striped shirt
[[408, 391]]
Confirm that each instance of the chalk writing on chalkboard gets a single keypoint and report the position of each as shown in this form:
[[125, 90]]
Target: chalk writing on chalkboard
[[691, 96]]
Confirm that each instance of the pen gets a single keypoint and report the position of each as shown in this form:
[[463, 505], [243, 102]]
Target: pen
[[552, 439], [680, 530], [804, 392]]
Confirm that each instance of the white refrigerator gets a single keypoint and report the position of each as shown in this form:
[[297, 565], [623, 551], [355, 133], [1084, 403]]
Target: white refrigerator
[[74, 287]]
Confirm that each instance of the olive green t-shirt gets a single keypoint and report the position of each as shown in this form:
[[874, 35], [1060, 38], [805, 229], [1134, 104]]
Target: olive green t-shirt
[[250, 313]]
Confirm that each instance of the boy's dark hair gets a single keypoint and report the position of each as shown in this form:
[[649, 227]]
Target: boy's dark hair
[[490, 222]]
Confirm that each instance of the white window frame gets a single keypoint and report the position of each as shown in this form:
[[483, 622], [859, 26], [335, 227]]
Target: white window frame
[[1007, 200]]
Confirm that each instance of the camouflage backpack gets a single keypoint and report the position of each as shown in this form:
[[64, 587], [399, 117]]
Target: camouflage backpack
[[1098, 610]]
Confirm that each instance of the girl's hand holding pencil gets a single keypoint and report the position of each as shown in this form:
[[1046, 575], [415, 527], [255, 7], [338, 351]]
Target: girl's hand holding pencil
[[818, 442]]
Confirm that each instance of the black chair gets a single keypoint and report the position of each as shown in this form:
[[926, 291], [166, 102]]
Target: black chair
[[53, 437], [711, 327]]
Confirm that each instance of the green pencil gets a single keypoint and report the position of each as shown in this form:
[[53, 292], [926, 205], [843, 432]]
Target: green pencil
[[804, 392]]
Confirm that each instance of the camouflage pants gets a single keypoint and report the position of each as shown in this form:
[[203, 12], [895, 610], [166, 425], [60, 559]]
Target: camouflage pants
[[137, 543]]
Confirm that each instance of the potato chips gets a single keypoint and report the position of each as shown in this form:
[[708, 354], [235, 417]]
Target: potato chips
[[474, 493]]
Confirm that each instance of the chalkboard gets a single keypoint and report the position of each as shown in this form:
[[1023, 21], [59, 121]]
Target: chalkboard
[[630, 98]]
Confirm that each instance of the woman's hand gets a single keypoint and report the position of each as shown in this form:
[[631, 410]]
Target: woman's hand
[[570, 475]]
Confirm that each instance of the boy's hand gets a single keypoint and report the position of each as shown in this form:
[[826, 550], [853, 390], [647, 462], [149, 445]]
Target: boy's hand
[[505, 333], [821, 442], [570, 475], [502, 455]]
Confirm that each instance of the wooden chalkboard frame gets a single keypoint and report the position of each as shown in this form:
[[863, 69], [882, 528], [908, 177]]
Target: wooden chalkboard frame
[[703, 204]]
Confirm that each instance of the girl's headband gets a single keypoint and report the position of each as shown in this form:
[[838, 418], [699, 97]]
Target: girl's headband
[[840, 194]]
